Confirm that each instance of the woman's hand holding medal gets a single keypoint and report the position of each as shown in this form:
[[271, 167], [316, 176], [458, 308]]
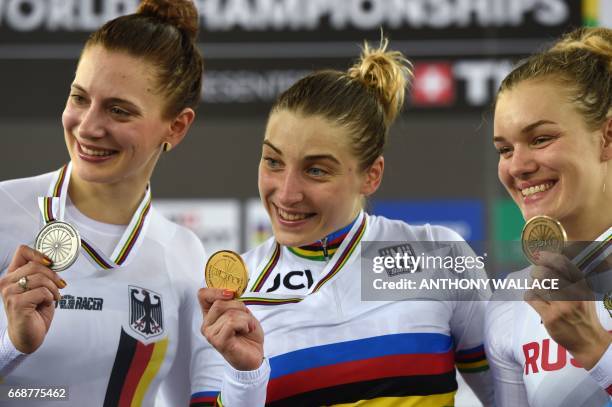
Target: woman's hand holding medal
[[29, 290], [228, 324], [568, 314]]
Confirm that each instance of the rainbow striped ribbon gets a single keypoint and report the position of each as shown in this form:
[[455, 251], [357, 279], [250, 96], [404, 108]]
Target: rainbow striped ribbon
[[52, 207]]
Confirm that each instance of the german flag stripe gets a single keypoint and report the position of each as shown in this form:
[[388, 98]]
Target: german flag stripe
[[141, 358], [157, 358], [123, 361], [135, 367]]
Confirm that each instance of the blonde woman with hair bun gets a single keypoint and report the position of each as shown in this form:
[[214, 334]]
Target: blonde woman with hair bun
[[553, 133], [121, 325], [322, 156]]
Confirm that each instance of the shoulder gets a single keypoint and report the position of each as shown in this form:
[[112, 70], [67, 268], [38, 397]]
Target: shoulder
[[183, 249], [24, 189], [392, 229]]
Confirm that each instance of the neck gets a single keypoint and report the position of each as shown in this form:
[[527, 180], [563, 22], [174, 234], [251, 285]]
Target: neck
[[107, 203], [587, 227]]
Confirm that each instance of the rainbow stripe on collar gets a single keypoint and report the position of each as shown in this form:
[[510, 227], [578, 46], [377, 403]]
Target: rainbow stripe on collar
[[325, 248]]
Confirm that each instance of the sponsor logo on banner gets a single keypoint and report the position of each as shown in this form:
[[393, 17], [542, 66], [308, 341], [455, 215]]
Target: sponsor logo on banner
[[146, 312], [433, 84]]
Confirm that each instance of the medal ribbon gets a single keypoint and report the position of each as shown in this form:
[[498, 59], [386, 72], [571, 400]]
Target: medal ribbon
[[595, 252], [53, 207], [339, 260]]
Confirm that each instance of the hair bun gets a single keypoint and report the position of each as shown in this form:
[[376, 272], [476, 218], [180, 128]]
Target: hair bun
[[595, 40], [180, 13], [387, 72]]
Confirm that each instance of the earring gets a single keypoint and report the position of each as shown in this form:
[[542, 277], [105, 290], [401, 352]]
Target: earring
[[166, 146]]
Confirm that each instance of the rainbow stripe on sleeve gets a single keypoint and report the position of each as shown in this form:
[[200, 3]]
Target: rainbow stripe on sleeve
[[471, 360]]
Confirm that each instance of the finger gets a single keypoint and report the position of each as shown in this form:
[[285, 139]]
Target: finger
[[25, 254], [207, 296], [220, 307], [35, 298], [38, 280], [236, 320], [33, 268], [561, 266]]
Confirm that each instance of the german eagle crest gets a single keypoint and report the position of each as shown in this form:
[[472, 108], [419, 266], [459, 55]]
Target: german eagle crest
[[146, 316]]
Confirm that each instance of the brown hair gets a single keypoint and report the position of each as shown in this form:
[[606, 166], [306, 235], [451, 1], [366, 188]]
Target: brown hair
[[163, 32], [581, 61], [365, 99]]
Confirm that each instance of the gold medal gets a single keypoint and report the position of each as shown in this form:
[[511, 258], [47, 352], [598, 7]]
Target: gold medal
[[542, 233], [226, 269], [60, 242]]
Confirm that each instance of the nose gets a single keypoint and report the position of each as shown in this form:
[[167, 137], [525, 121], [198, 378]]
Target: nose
[[290, 191], [91, 124], [522, 163]]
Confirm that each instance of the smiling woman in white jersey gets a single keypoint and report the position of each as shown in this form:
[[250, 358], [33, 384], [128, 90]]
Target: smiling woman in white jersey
[[322, 155], [123, 328], [553, 132]]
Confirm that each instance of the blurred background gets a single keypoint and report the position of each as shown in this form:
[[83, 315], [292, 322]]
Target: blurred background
[[440, 161]]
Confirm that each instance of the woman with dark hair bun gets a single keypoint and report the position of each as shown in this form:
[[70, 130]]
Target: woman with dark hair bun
[[99, 290]]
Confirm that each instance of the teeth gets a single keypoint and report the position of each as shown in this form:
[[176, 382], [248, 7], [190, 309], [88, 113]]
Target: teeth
[[97, 153], [537, 188], [290, 216]]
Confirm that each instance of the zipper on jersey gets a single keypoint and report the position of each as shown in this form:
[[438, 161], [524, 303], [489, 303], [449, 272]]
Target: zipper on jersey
[[324, 244]]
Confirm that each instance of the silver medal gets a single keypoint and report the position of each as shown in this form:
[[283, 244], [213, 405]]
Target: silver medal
[[60, 242]]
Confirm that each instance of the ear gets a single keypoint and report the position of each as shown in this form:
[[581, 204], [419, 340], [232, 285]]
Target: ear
[[373, 176], [606, 150], [179, 126]]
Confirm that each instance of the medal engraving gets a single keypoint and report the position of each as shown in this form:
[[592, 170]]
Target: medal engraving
[[542, 233], [60, 242], [226, 269]]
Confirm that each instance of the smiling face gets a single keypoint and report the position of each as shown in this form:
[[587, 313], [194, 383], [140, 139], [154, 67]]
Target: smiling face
[[309, 180], [550, 162], [113, 122]]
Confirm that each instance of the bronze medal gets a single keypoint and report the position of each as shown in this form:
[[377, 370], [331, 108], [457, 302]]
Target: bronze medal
[[542, 233]]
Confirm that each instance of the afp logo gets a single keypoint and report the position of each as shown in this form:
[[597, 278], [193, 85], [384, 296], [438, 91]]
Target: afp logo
[[146, 316], [293, 280]]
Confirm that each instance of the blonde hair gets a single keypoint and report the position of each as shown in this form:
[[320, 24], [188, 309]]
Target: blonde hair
[[581, 61], [366, 99]]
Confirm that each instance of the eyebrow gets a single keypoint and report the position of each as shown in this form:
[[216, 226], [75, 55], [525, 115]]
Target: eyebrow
[[313, 157], [110, 100], [527, 128]]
